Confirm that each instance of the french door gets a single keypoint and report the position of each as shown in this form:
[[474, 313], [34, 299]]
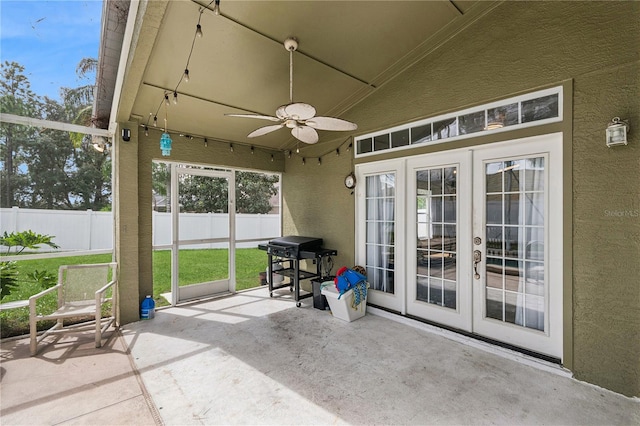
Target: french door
[[483, 240], [215, 253]]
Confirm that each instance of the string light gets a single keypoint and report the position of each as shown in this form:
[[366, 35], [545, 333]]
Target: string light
[[272, 158], [186, 75], [146, 130], [231, 147], [206, 142], [289, 152], [251, 150]]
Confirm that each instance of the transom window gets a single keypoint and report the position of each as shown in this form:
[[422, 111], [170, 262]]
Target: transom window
[[532, 109]]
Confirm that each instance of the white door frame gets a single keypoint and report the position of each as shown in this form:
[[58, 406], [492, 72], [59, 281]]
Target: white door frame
[[549, 341], [471, 180], [460, 317], [396, 300], [194, 291]]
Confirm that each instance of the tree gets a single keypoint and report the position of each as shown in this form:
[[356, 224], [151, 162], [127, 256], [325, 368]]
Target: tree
[[254, 192], [202, 194], [16, 98]]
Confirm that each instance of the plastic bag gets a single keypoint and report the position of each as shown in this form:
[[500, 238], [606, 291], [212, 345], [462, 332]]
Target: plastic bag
[[346, 279]]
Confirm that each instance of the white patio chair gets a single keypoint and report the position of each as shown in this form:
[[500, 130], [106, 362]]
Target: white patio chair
[[82, 290]]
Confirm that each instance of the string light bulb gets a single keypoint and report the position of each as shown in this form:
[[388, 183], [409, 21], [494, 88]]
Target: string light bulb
[[252, 150], [231, 147], [185, 77], [175, 98], [155, 121], [289, 154], [216, 8], [304, 161], [349, 147], [166, 99], [199, 31], [272, 158], [338, 152], [319, 161], [206, 142], [146, 130]]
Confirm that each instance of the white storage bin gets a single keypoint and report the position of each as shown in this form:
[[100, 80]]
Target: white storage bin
[[342, 308]]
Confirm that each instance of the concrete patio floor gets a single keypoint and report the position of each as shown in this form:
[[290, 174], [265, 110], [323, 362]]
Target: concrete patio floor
[[251, 359]]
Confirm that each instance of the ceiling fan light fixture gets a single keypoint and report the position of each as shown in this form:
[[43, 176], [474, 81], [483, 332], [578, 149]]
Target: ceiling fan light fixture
[[291, 123]]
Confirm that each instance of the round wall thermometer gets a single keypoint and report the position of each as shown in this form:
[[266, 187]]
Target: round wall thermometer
[[350, 181]]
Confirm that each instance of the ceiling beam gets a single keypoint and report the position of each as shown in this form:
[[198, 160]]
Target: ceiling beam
[[281, 42]]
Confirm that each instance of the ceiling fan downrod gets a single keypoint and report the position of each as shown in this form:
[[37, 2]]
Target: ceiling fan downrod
[[291, 44]]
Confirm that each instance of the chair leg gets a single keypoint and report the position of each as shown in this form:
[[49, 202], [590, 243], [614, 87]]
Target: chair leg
[[98, 330], [33, 336]]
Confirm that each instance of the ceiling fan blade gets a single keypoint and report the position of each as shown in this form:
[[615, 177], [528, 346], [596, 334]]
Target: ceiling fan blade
[[305, 134], [330, 123], [299, 111], [281, 113], [261, 117], [264, 130]]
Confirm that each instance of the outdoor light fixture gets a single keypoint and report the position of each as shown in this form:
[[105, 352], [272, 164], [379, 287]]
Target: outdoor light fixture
[[146, 130], [185, 77], [166, 99], [617, 132], [216, 8], [199, 31], [175, 98], [99, 143], [126, 135], [165, 144]]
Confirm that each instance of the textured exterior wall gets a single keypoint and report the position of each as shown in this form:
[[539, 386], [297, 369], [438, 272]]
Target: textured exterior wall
[[520, 47], [125, 205]]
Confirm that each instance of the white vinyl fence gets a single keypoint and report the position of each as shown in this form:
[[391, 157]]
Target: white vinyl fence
[[89, 230]]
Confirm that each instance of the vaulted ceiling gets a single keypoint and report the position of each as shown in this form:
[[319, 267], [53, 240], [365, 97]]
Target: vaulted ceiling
[[347, 49]]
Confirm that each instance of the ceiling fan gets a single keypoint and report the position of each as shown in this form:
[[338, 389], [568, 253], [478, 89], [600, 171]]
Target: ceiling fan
[[297, 116]]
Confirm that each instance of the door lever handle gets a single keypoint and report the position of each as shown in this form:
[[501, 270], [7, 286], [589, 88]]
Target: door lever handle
[[477, 258]]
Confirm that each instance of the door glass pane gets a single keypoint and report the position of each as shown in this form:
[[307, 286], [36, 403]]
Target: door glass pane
[[514, 235], [380, 243], [437, 231]]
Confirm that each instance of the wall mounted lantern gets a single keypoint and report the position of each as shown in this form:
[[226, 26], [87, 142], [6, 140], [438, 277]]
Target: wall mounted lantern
[[617, 132]]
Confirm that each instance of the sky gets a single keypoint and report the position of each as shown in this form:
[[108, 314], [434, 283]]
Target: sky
[[49, 38]]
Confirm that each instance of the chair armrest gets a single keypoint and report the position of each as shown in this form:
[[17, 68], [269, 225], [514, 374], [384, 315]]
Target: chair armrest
[[106, 287], [42, 293]]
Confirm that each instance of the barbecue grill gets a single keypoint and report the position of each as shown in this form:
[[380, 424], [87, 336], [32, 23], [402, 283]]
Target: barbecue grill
[[288, 252]]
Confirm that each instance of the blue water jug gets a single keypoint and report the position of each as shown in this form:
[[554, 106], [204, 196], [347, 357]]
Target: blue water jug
[[147, 308]]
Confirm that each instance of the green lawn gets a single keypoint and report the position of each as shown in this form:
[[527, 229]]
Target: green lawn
[[195, 266]]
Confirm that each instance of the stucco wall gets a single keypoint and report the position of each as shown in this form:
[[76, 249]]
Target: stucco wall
[[520, 47]]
